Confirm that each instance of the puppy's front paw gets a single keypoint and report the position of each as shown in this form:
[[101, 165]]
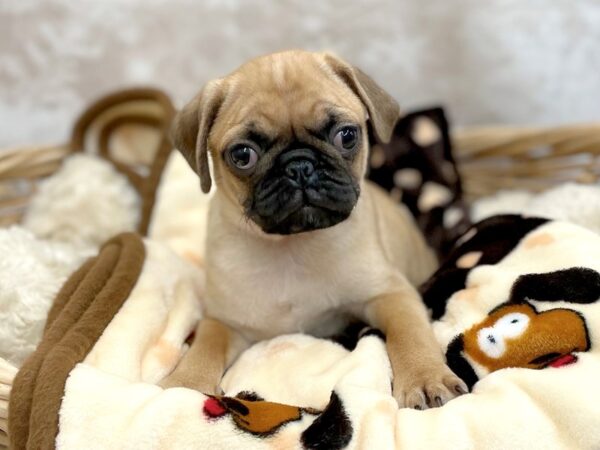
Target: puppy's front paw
[[427, 387]]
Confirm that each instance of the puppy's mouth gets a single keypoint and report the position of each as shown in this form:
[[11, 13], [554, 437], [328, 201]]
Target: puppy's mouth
[[303, 192]]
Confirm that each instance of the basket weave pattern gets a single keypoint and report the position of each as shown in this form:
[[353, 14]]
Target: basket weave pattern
[[20, 171], [491, 159]]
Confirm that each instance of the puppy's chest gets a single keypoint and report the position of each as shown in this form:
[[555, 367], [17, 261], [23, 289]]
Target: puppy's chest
[[281, 292]]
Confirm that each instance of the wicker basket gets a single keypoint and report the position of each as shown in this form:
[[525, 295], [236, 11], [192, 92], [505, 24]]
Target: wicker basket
[[143, 111], [492, 159]]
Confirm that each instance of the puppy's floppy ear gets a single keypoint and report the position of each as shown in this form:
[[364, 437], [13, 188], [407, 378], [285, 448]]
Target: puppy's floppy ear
[[191, 127], [383, 109]]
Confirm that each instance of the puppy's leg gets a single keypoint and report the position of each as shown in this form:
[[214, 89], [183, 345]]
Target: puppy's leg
[[421, 377], [215, 346]]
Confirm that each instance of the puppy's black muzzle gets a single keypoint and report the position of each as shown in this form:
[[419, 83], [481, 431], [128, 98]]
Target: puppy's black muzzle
[[304, 190]]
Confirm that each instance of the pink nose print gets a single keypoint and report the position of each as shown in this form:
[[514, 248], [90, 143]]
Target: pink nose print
[[213, 408]]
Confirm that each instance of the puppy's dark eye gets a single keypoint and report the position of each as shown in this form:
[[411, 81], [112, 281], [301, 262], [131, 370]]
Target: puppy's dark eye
[[243, 157], [346, 138]]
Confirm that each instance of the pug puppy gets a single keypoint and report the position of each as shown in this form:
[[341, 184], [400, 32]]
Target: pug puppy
[[297, 239]]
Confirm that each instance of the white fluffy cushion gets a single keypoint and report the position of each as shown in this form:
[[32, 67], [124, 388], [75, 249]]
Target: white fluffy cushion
[[84, 203], [32, 271]]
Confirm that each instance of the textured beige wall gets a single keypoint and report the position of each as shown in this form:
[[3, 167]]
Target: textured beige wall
[[488, 61]]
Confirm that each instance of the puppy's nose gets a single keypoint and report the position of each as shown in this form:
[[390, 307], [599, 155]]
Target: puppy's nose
[[299, 170]]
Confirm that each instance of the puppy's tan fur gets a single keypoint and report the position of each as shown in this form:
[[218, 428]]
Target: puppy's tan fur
[[261, 285]]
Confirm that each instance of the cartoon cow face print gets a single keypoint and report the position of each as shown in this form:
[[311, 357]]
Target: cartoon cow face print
[[331, 428], [514, 334], [519, 336]]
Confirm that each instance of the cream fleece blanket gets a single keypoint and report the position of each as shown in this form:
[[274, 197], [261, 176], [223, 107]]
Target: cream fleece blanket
[[108, 397]]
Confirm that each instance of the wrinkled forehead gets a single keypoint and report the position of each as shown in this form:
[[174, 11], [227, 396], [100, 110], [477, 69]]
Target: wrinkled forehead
[[278, 97]]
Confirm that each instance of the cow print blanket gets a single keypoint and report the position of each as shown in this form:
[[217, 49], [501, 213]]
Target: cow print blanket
[[516, 309]]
